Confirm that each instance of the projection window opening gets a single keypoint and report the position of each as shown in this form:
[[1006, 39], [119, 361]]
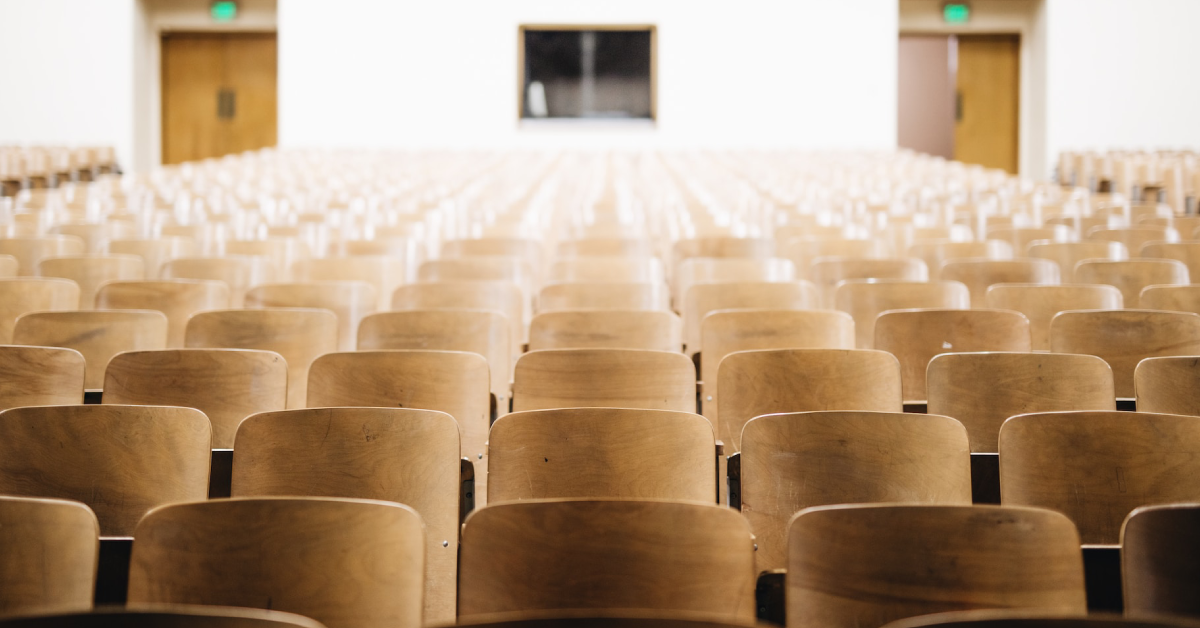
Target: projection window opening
[[590, 72]]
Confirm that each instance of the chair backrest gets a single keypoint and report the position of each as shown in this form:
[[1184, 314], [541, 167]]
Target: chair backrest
[[721, 246], [391, 454], [602, 453], [727, 331], [119, 460], [1160, 560], [982, 390], [708, 297], [40, 376], [1125, 337], [697, 270], [804, 251], [863, 566], [29, 251], [645, 555], [350, 301], [1187, 252], [827, 273], [796, 460], [98, 335], [1130, 276], [602, 296], [1040, 303], [477, 331], [607, 269], [89, 273], [346, 563], [916, 336], [8, 266], [384, 274], [499, 296], [1134, 237], [1173, 298], [239, 272], [866, 299], [173, 616], [177, 299], [491, 268], [606, 329], [50, 549], [1022, 237], [1119, 460], [299, 335], [454, 382], [754, 383], [604, 378], [980, 274], [936, 253], [154, 252], [227, 385], [283, 252], [29, 294], [1169, 385], [1069, 254], [529, 250], [606, 247]]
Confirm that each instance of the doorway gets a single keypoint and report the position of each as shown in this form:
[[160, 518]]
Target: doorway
[[218, 94], [959, 97]]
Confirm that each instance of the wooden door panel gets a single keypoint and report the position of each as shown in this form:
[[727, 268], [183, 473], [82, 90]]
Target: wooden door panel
[[989, 94], [250, 71]]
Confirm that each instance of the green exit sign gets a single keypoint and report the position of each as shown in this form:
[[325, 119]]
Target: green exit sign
[[956, 12], [224, 10]]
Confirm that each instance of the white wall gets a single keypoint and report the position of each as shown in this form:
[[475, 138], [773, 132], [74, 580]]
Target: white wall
[[1122, 73], [800, 73], [68, 68]]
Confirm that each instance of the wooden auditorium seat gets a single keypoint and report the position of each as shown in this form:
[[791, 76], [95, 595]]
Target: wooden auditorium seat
[[866, 299], [238, 272], [48, 556], [349, 300], [1160, 561], [1069, 254], [1132, 275], [555, 297], [606, 269], [154, 252], [709, 297], [32, 250], [178, 299], [1187, 252], [385, 274], [90, 273], [1168, 385], [499, 296], [604, 378], [828, 273], [24, 295], [98, 335], [937, 253], [1041, 303], [698, 270], [980, 274], [1125, 337], [40, 376], [606, 329]]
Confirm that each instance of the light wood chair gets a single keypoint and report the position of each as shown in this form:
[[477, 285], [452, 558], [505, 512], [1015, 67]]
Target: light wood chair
[[709, 297], [606, 329], [155, 252], [592, 453], [282, 252], [349, 300], [1021, 237], [1069, 254], [1160, 560], [982, 390], [866, 565], [980, 274], [640, 555], [804, 251], [40, 376], [498, 296], [95, 235], [1119, 460], [754, 383], [697, 270], [1125, 337], [89, 273], [916, 336], [606, 247], [1173, 298], [1037, 619], [169, 616], [721, 246], [1187, 252], [177, 299], [556, 297], [1168, 385], [454, 382], [607, 269], [227, 385], [98, 335], [1040, 303], [828, 273], [796, 460], [299, 335], [934, 254], [347, 563], [50, 549], [28, 294], [1134, 237], [604, 378], [8, 266], [1131, 276], [526, 249], [476, 331], [391, 454], [238, 272], [32, 250], [385, 274], [121, 461], [866, 299], [727, 331], [506, 269]]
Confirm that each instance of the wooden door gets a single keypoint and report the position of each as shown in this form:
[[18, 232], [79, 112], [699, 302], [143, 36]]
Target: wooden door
[[988, 84], [218, 94]]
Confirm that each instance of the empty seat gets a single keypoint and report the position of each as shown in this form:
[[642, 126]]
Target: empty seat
[[50, 549], [97, 335], [1186, 252], [754, 383], [391, 454], [282, 252], [1118, 460], [349, 300], [602, 296], [40, 376], [606, 329], [606, 247], [604, 378], [1173, 298], [1160, 560], [498, 296], [804, 251], [154, 252], [639, 555], [721, 246], [982, 390], [827, 273], [177, 299], [697, 270], [607, 269], [121, 461], [866, 299], [29, 294], [238, 272], [346, 563], [1168, 385], [1069, 254], [934, 254], [507, 269], [227, 385], [299, 335], [601, 453], [89, 273], [1125, 337], [32, 250], [8, 266], [916, 336], [528, 250], [704, 298], [1022, 237], [863, 566], [1130, 276], [980, 274], [1134, 237], [796, 460], [384, 274], [1040, 303]]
